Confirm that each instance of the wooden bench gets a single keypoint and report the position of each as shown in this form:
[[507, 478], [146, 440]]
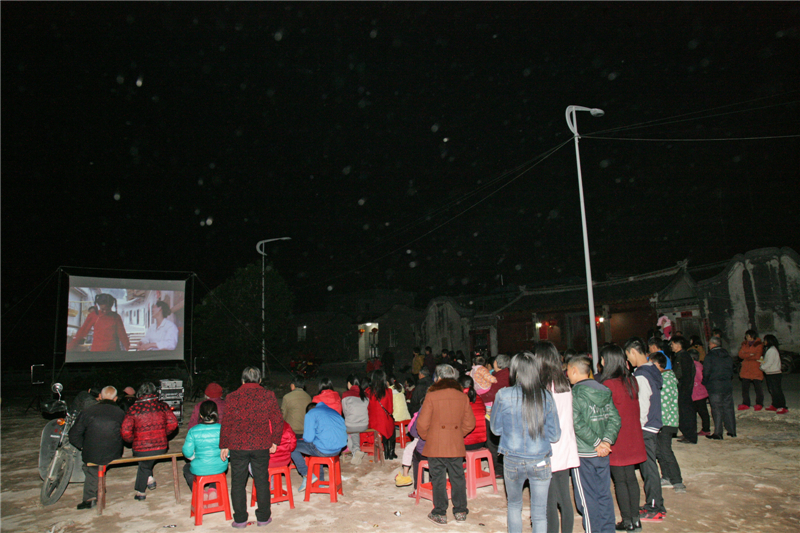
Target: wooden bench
[[101, 475]]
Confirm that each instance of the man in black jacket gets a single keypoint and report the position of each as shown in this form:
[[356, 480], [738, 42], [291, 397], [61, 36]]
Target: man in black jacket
[[717, 376], [97, 433], [683, 366], [420, 390]]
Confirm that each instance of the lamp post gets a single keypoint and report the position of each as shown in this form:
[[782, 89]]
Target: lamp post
[[260, 248], [573, 126]]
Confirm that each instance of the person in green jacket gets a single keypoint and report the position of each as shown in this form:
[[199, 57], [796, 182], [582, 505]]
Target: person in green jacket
[[670, 469], [201, 447], [597, 424]]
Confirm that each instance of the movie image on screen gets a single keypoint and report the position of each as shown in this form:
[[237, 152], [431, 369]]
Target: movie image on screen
[[124, 319]]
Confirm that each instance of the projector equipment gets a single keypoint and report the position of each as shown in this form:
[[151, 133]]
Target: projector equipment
[[171, 393]]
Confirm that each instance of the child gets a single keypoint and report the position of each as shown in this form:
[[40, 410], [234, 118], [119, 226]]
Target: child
[[666, 325], [202, 446], [648, 378], [481, 376], [596, 422], [670, 470]]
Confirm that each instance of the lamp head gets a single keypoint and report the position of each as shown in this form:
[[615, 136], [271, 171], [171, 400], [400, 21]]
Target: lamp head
[[597, 112]]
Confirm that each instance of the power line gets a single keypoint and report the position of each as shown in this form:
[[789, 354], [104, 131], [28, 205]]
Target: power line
[[692, 140]]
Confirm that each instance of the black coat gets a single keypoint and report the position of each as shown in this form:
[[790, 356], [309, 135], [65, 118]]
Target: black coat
[[419, 394], [97, 433], [718, 371]]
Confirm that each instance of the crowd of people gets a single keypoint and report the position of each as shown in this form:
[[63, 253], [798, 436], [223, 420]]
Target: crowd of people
[[545, 417]]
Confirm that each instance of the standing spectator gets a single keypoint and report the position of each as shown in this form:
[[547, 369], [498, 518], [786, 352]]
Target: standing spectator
[[293, 406], [501, 373], [683, 367], [565, 449], [750, 353], [380, 409], [213, 392], [417, 361], [201, 447], [700, 394], [147, 424], [772, 370], [628, 450], [251, 431], [648, 378], [476, 439], [328, 395], [97, 433], [597, 424], [670, 469], [443, 422], [325, 435], [696, 344], [355, 407], [717, 375], [430, 360], [420, 390]]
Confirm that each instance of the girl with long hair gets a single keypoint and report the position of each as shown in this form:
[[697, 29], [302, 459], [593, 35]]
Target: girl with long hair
[[381, 406], [355, 408], [524, 416], [202, 445], [628, 450], [772, 372], [328, 395], [565, 451]]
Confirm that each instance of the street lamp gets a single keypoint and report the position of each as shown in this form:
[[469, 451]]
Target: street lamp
[[260, 248], [573, 126]]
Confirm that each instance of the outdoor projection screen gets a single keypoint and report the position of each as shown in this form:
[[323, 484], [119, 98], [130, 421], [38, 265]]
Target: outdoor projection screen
[[114, 319]]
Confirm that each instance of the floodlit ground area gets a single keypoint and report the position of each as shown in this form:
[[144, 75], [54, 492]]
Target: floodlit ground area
[[749, 483]]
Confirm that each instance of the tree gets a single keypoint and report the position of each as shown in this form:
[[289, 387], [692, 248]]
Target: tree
[[227, 324]]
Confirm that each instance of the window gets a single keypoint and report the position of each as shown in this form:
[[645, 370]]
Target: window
[[393, 335]]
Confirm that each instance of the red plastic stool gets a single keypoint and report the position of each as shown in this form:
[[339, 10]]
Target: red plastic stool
[[425, 490], [332, 486], [403, 426], [277, 494], [476, 476], [371, 443], [201, 507]]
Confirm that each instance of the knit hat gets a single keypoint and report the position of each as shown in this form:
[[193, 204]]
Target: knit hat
[[214, 390], [129, 391]]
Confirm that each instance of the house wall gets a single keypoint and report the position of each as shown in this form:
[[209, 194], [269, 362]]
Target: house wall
[[758, 290], [444, 328], [401, 326]]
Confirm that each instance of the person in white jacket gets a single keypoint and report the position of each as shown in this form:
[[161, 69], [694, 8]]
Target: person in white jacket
[[771, 366], [565, 450]]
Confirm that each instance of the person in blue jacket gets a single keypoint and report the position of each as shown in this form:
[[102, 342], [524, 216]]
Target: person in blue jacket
[[201, 446], [324, 435]]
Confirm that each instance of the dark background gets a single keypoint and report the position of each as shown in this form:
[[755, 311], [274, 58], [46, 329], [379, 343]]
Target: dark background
[[394, 143]]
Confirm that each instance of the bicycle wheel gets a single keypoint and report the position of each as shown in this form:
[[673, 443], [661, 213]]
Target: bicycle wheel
[[59, 474]]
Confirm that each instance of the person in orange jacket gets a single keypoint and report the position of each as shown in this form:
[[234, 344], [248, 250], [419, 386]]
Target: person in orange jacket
[[751, 353]]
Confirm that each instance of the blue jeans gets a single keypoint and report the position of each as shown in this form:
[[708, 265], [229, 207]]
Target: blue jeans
[[307, 448], [515, 471]]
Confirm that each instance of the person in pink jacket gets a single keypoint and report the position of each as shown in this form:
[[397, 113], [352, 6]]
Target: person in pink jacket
[[700, 394], [565, 450]]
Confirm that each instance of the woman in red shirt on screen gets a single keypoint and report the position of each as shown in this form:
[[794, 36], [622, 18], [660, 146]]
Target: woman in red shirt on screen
[[109, 331]]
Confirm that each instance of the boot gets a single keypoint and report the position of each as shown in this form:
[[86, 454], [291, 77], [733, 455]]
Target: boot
[[386, 454], [392, 444]]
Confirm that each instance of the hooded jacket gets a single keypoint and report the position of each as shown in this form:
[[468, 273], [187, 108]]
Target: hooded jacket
[[594, 416]]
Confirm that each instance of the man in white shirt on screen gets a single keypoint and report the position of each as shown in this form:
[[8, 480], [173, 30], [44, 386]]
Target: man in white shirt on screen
[[163, 335]]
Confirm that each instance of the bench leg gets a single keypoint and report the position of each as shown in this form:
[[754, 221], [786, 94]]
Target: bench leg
[[101, 489], [175, 480]]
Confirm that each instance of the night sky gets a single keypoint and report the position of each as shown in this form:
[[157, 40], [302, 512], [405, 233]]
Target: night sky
[[398, 145]]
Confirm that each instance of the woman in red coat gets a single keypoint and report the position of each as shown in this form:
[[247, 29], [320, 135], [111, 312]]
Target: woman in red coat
[[380, 410], [475, 439], [750, 353], [628, 450]]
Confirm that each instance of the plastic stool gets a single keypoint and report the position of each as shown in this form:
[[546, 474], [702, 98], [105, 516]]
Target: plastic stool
[[403, 426], [425, 490], [476, 476], [332, 486], [220, 503], [277, 494], [374, 448]]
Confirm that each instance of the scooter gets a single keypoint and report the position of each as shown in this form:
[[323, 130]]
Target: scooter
[[59, 462]]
